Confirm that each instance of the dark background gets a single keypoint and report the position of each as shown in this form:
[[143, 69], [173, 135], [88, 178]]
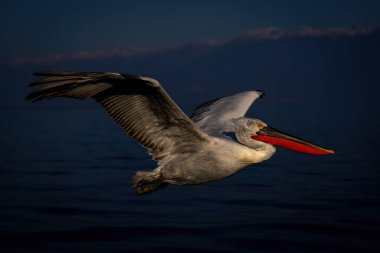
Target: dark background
[[66, 166]]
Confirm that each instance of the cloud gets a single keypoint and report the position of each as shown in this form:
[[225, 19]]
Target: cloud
[[352, 31], [83, 55], [268, 33], [273, 33], [263, 34]]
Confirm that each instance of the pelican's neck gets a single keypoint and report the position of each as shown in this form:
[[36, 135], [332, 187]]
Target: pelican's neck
[[265, 152], [248, 155], [257, 151]]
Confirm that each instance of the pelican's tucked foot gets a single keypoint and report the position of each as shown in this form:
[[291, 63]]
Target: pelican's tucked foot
[[147, 181]]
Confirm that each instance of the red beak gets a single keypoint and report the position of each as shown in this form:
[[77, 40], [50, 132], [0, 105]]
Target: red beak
[[278, 138]]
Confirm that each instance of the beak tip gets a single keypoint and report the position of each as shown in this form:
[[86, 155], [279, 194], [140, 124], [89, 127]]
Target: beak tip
[[327, 152]]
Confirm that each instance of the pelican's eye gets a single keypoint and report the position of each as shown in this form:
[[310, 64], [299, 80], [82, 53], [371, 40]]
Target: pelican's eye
[[260, 126]]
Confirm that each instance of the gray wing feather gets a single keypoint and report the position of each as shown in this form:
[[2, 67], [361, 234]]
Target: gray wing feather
[[214, 117], [140, 105]]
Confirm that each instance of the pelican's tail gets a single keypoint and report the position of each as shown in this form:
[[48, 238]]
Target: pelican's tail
[[147, 181]]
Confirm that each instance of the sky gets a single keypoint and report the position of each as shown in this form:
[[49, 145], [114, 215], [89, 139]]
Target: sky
[[38, 28]]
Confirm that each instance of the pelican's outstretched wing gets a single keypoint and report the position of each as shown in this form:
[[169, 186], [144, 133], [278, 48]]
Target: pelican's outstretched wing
[[214, 116], [140, 105]]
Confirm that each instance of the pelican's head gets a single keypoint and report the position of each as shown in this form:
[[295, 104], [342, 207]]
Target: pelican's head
[[256, 134]]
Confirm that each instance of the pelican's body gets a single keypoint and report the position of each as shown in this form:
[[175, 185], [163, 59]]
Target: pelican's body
[[188, 151], [215, 160]]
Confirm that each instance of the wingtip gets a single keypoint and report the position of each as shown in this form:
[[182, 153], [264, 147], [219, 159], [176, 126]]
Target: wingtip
[[41, 73], [262, 93], [34, 83], [29, 97], [59, 73], [47, 74]]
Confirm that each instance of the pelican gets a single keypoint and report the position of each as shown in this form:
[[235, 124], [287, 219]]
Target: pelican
[[188, 150]]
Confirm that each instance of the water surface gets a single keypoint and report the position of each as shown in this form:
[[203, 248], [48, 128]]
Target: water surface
[[64, 181]]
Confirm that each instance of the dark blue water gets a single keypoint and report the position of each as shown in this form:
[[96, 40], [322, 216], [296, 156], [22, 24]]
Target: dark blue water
[[64, 182]]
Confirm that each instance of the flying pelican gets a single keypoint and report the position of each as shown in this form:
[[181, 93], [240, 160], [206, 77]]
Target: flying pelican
[[191, 150]]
